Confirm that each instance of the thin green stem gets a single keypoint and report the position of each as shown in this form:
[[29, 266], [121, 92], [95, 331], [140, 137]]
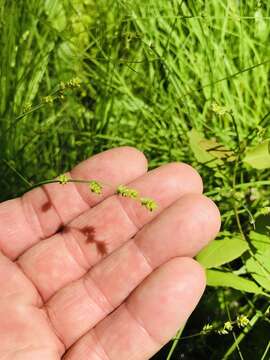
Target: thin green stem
[[266, 351], [17, 173], [236, 131], [121, 190], [175, 343], [45, 182], [233, 333], [245, 331], [239, 186]]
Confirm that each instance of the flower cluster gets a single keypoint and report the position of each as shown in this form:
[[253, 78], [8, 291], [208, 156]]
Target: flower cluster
[[63, 179], [122, 190], [207, 328], [127, 192], [95, 187], [150, 204], [27, 107], [47, 99], [71, 84], [59, 93], [241, 322], [228, 326], [63, 86], [219, 110]]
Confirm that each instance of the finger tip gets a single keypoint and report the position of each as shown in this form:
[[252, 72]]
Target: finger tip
[[168, 297], [191, 273], [205, 212], [213, 214], [134, 154], [195, 274], [183, 177], [195, 179]]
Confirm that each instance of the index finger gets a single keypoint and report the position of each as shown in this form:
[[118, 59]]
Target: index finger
[[43, 211]]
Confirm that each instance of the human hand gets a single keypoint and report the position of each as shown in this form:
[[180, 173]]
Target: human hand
[[99, 277]]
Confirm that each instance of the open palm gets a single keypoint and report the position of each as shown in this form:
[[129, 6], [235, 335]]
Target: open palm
[[94, 277]]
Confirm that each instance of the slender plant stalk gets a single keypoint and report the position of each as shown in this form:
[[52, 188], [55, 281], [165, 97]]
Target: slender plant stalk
[[175, 343]]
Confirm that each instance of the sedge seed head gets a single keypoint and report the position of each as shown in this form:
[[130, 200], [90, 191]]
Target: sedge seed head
[[27, 107], [73, 83], [223, 332], [63, 179], [228, 326], [47, 99], [207, 328], [62, 86], [127, 192], [61, 95], [219, 110], [242, 321], [150, 204], [95, 187]]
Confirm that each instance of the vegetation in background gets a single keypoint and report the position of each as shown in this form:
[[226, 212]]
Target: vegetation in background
[[182, 81]]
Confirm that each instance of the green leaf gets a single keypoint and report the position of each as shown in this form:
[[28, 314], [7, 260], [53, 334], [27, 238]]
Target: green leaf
[[56, 14], [259, 268], [208, 151], [228, 279], [259, 156], [260, 241], [220, 252]]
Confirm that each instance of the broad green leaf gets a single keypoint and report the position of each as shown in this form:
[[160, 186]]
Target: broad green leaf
[[195, 139], [228, 279], [56, 14], [208, 151], [260, 241], [220, 252], [259, 156], [259, 268]]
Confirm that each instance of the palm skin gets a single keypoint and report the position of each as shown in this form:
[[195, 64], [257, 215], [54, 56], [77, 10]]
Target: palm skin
[[99, 277]]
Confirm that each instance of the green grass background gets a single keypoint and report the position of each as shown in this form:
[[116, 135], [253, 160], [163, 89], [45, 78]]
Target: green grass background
[[150, 72]]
